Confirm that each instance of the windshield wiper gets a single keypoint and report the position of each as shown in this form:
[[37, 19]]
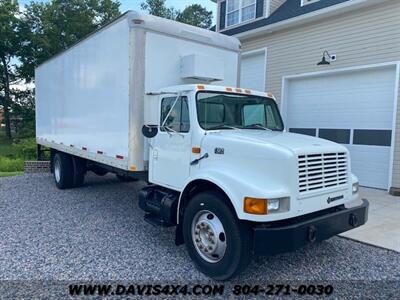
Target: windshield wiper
[[222, 126], [254, 126]]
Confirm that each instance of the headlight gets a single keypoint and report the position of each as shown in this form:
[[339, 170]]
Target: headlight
[[258, 206], [273, 204], [355, 187]]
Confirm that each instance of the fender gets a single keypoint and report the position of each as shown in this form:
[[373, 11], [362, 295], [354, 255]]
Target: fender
[[236, 189]]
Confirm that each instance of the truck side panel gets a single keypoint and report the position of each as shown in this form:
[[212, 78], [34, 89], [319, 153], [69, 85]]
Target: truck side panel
[[82, 97]]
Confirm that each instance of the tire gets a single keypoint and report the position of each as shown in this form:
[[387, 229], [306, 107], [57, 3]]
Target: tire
[[63, 170], [79, 171], [126, 178], [231, 251]]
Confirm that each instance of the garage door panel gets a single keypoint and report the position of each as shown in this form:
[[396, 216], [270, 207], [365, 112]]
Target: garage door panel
[[353, 100], [365, 98], [367, 160]]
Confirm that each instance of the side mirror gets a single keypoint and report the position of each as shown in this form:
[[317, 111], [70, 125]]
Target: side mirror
[[149, 131]]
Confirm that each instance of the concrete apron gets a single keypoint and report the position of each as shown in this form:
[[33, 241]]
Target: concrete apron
[[383, 226]]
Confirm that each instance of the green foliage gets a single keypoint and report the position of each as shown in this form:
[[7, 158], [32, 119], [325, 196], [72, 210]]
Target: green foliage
[[26, 149], [158, 8], [9, 46], [8, 27], [194, 14], [11, 165]]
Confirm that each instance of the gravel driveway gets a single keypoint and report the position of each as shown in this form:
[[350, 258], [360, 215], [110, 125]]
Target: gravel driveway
[[97, 232]]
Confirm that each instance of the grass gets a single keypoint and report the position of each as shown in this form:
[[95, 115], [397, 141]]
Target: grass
[[11, 164], [13, 155], [9, 174], [6, 147]]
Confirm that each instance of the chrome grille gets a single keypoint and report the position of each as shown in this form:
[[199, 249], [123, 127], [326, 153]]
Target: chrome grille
[[320, 171]]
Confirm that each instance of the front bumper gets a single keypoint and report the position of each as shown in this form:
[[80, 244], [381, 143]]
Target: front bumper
[[288, 235]]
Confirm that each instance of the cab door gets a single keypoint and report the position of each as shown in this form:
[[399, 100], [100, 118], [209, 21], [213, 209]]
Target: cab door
[[170, 149]]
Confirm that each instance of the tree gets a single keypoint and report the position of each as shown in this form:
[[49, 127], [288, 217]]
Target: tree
[[8, 47], [194, 14], [48, 28], [158, 8]]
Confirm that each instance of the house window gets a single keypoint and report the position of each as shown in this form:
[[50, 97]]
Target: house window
[[240, 11], [305, 2]]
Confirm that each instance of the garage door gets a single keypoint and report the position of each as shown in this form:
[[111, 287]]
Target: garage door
[[252, 75], [354, 108]]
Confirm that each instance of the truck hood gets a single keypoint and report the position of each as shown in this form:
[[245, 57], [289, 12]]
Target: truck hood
[[297, 143]]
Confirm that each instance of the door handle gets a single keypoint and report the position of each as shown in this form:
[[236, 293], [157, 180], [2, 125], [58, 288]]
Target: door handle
[[196, 161]]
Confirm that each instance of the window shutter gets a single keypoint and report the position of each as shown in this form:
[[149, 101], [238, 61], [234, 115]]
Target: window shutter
[[259, 8], [222, 14]]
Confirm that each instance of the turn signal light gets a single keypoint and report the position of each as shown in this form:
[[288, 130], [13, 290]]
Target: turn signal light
[[255, 206], [196, 150]]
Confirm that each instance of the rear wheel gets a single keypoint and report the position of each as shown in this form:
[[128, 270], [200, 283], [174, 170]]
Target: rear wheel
[[216, 240], [63, 170], [79, 171]]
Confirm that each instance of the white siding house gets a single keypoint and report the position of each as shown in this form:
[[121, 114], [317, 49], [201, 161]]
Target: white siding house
[[352, 100]]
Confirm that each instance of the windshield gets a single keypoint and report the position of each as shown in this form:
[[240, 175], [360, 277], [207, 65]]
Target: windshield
[[236, 111]]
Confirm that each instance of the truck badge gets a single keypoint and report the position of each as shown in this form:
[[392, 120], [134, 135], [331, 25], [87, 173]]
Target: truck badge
[[219, 151], [332, 199]]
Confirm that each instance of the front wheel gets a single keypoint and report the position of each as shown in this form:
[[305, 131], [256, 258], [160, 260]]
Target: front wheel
[[217, 242]]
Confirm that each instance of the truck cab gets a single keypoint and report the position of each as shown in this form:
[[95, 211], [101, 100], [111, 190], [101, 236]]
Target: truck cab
[[241, 185]]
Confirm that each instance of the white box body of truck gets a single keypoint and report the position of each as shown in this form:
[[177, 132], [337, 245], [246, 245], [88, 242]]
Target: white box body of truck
[[91, 99]]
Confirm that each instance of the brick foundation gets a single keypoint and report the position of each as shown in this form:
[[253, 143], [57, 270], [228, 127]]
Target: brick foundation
[[37, 166]]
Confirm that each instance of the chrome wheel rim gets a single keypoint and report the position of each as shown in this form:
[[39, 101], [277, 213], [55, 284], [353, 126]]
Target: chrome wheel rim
[[208, 236], [57, 170]]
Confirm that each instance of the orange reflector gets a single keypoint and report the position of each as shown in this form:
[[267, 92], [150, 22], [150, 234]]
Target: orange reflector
[[229, 89], [247, 91], [133, 168], [269, 94], [238, 90], [255, 206], [196, 150], [201, 87]]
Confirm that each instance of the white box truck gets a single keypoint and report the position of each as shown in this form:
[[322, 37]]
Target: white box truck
[[152, 99]]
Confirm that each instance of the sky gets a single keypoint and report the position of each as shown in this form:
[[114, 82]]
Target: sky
[[178, 4]]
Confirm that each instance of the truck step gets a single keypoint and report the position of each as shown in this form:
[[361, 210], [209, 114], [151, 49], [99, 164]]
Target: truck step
[[159, 204]]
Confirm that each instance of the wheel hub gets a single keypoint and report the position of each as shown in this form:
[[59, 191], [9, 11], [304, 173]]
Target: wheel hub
[[209, 236], [57, 170]]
